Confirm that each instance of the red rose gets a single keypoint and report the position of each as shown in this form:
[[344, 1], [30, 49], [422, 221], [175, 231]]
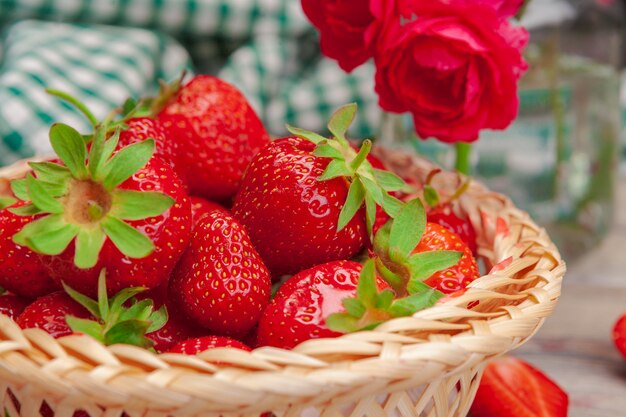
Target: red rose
[[455, 68], [348, 29], [504, 8], [342, 25]]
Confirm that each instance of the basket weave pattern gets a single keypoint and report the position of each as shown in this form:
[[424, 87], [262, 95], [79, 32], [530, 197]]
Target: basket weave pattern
[[426, 365]]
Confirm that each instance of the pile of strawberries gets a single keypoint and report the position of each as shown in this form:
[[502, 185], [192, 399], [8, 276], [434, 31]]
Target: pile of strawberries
[[177, 225]]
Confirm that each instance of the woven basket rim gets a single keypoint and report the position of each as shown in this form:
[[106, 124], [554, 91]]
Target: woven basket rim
[[513, 301]]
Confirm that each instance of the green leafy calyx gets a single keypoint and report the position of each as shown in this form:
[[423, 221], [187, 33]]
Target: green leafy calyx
[[395, 245], [79, 199], [372, 307], [115, 321], [369, 186]]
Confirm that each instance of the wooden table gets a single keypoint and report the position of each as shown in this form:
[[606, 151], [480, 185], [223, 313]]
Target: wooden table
[[574, 347]]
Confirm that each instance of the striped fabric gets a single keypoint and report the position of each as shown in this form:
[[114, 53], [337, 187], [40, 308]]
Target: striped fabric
[[105, 51]]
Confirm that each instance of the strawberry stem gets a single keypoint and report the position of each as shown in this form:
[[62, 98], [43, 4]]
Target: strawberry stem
[[463, 153], [76, 103], [366, 147]]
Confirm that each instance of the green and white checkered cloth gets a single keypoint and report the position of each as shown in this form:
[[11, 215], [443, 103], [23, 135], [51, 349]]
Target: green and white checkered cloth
[[103, 51]]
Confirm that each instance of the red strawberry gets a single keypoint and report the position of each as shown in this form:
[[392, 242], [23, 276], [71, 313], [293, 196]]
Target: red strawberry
[[200, 344], [454, 278], [21, 271], [168, 231], [49, 312], [307, 200], [443, 215], [619, 335], [221, 282], [141, 128], [200, 207], [301, 307], [292, 216], [511, 387], [216, 134], [12, 305]]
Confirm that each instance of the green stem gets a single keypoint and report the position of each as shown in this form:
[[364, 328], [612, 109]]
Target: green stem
[[366, 147], [72, 100], [463, 153]]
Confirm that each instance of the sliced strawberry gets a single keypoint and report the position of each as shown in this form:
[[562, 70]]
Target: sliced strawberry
[[619, 335], [511, 387]]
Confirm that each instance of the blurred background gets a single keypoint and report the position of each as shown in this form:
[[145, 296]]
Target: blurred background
[[559, 161]]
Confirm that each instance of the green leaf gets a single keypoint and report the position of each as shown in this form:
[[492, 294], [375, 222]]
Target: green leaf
[[27, 210], [139, 205], [381, 239], [158, 319], [385, 298], [53, 242], [373, 189], [131, 332], [127, 239], [88, 246], [40, 197], [20, 189], [109, 147], [417, 286], [422, 265], [354, 201], [127, 162], [370, 212], [140, 310], [336, 168], [342, 322], [50, 172], [431, 195], [354, 307], [70, 147], [305, 134], [96, 153], [85, 326], [391, 205], [54, 189], [6, 201], [407, 229], [51, 233], [412, 304], [83, 300], [396, 282], [129, 105], [366, 289], [341, 121], [326, 150], [121, 297], [388, 180], [103, 297]]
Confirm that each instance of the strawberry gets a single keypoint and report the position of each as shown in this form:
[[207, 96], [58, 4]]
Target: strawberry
[[139, 129], [215, 133], [454, 278], [48, 313], [415, 254], [200, 207], [619, 335], [301, 307], [221, 282], [21, 271], [511, 387], [12, 305], [301, 198], [114, 208], [443, 215], [200, 344]]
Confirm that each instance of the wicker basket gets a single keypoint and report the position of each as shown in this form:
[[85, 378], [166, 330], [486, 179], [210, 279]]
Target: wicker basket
[[426, 365]]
